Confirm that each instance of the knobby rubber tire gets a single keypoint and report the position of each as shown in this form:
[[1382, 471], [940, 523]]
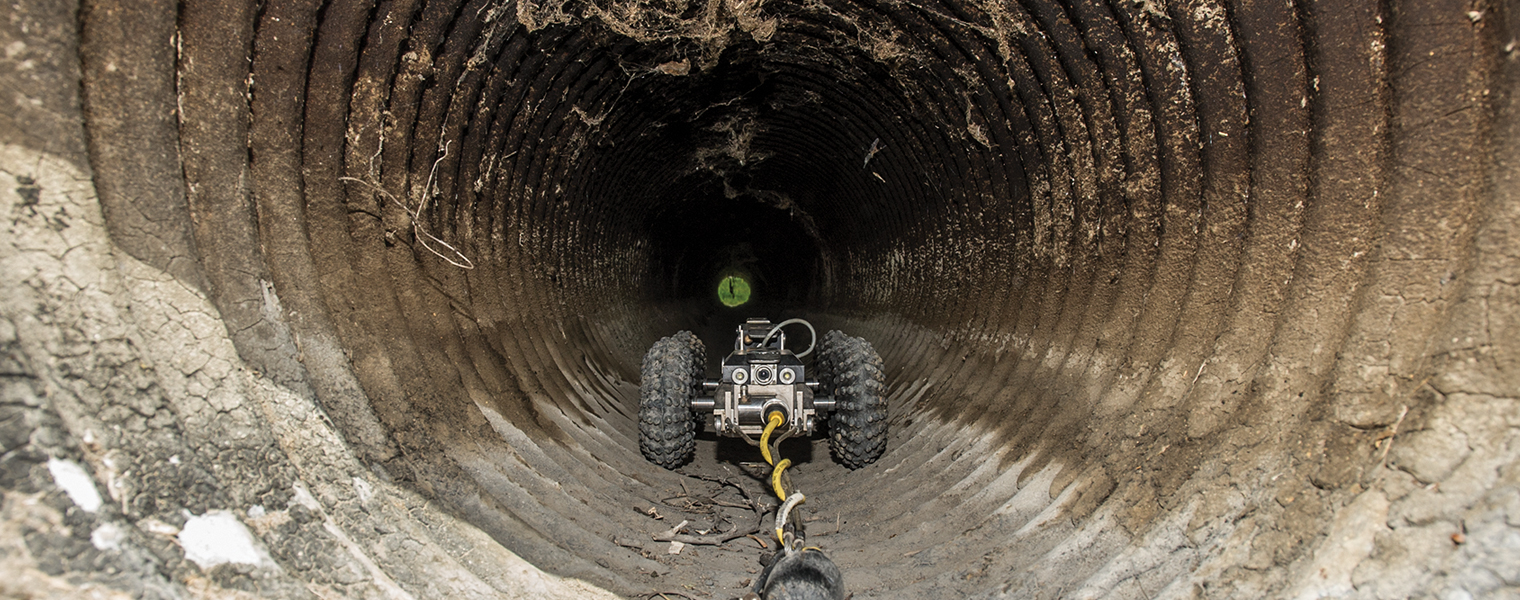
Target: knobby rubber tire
[[669, 378], [852, 372]]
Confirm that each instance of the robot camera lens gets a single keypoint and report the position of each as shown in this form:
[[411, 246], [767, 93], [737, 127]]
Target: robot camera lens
[[763, 375]]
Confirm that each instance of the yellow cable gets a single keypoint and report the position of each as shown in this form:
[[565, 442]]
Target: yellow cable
[[775, 420], [765, 450], [765, 437], [776, 477]]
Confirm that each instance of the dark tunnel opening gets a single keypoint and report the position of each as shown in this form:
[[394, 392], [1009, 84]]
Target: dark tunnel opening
[[699, 244], [1198, 298]]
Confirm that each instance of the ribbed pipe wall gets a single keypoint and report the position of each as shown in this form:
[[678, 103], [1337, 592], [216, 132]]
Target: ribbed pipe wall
[[1189, 299]]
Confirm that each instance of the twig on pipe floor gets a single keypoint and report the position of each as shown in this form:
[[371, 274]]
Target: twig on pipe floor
[[675, 535]]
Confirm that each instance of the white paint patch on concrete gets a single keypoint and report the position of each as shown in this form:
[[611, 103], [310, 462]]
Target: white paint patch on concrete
[[365, 491], [1349, 542], [107, 537], [304, 498], [76, 482], [157, 527], [218, 537]]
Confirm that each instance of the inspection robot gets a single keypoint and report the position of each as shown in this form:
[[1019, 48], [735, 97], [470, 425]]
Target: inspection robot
[[759, 379]]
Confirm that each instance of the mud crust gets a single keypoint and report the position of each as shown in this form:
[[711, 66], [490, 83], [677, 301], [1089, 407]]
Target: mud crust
[[669, 378], [852, 372]]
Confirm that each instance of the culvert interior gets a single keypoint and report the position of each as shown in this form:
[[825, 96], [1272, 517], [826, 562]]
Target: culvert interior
[[1186, 299]]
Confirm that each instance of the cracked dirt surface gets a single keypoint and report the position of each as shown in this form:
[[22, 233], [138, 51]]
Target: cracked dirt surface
[[129, 371]]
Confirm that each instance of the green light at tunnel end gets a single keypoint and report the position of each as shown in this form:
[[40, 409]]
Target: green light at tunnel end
[[733, 291]]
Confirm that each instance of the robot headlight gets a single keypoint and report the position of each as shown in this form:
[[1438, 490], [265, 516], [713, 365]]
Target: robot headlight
[[740, 376], [788, 376]]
